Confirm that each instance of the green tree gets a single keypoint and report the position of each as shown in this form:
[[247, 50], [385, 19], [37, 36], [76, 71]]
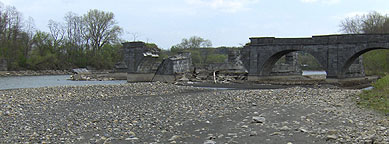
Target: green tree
[[216, 58], [101, 29], [91, 39], [43, 56], [196, 46], [15, 40], [193, 42]]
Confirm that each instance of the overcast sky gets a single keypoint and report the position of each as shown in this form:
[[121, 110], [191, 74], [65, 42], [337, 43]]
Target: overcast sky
[[224, 22]]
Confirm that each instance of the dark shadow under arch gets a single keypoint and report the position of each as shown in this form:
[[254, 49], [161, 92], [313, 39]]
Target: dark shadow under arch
[[272, 60], [351, 60]]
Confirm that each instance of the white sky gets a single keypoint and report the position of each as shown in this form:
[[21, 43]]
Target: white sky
[[224, 22]]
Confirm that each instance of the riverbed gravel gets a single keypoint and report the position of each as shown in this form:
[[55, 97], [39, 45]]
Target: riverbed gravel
[[167, 113]]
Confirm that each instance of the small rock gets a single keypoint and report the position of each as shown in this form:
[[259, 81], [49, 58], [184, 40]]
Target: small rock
[[332, 137], [259, 119], [35, 134], [209, 142], [285, 128], [7, 113], [80, 138], [132, 138], [245, 126], [174, 137], [369, 137], [132, 134], [253, 133], [275, 133], [332, 132], [232, 134], [303, 130], [211, 137], [103, 138]]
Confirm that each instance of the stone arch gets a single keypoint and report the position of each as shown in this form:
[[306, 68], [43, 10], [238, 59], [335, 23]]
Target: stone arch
[[146, 65], [270, 61], [350, 60]]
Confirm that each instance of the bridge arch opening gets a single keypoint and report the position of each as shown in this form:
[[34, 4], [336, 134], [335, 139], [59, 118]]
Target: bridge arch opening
[[291, 62], [367, 55]]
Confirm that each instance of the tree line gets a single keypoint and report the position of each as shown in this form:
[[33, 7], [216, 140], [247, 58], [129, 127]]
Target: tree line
[[92, 39]]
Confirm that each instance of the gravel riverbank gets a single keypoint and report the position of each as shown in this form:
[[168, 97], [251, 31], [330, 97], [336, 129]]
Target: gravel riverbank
[[165, 113], [34, 73]]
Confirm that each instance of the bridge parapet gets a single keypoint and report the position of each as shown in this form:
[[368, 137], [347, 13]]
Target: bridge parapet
[[261, 40], [351, 39], [280, 41], [322, 40]]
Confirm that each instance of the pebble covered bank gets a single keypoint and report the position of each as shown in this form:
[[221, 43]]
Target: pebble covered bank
[[166, 113]]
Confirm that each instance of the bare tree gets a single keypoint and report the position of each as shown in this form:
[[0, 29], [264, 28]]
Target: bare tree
[[14, 21], [352, 25], [56, 32], [75, 29], [3, 21], [101, 28], [373, 22], [30, 31], [134, 35]]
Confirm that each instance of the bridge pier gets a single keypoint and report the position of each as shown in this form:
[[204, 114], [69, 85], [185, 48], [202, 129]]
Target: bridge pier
[[141, 61]]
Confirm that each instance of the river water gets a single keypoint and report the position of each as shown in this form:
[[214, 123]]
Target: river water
[[44, 81], [314, 73], [62, 80]]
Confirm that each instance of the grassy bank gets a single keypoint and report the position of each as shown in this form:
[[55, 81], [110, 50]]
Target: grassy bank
[[377, 98]]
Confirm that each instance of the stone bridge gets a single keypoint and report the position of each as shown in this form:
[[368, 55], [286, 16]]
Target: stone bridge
[[335, 53]]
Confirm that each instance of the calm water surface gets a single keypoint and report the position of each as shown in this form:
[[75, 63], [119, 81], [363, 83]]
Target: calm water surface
[[61, 80], [44, 81], [314, 73]]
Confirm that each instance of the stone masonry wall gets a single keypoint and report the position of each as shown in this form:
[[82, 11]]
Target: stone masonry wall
[[174, 67], [141, 61], [335, 53], [139, 58], [180, 63]]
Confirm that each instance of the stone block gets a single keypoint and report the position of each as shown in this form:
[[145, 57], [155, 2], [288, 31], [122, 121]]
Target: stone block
[[140, 77], [173, 66]]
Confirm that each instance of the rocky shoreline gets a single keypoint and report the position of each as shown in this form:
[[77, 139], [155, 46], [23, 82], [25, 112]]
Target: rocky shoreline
[[34, 73], [166, 113]]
